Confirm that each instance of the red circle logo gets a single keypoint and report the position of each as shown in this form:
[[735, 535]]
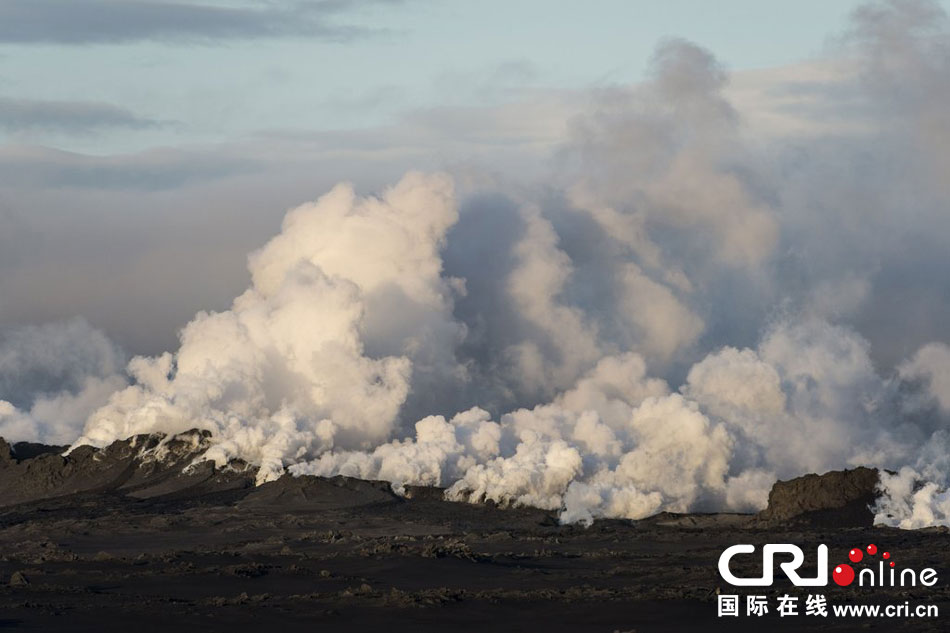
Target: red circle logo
[[843, 575]]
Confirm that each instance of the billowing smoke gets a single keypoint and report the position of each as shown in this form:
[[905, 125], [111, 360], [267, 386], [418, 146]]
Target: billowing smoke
[[347, 307], [52, 377], [684, 313]]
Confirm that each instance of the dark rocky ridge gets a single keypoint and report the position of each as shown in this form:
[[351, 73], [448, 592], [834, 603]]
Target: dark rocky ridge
[[147, 466], [143, 466], [29, 450], [138, 535], [840, 498]]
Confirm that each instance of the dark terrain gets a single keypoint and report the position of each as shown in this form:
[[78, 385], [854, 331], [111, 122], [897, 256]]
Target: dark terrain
[[123, 540]]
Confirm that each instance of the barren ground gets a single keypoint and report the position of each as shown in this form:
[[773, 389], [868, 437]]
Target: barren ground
[[346, 555]]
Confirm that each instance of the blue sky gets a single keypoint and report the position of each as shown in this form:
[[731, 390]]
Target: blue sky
[[363, 65]]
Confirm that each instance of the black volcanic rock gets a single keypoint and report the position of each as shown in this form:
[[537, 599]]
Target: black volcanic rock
[[839, 498], [6, 454], [29, 450], [142, 466], [431, 493], [156, 466], [318, 493], [339, 554], [156, 538], [154, 471]]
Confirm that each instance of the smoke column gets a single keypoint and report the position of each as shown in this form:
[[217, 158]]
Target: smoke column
[[682, 315]]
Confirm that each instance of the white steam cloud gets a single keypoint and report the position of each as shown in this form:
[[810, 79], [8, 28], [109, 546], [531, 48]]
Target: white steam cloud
[[682, 316], [287, 372], [52, 377]]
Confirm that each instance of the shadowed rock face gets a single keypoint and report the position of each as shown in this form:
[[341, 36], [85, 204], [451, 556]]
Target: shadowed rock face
[[141, 467], [840, 498], [160, 467], [29, 450]]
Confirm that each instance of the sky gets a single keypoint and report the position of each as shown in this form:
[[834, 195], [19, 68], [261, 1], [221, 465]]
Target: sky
[[189, 128], [112, 76], [162, 120]]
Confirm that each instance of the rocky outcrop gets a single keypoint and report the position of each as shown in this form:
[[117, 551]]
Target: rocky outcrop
[[142, 466], [169, 467], [156, 466], [839, 498], [289, 493]]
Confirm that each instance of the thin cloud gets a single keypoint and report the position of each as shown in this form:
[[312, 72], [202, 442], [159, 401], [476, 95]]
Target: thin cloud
[[119, 21], [154, 170], [78, 117]]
